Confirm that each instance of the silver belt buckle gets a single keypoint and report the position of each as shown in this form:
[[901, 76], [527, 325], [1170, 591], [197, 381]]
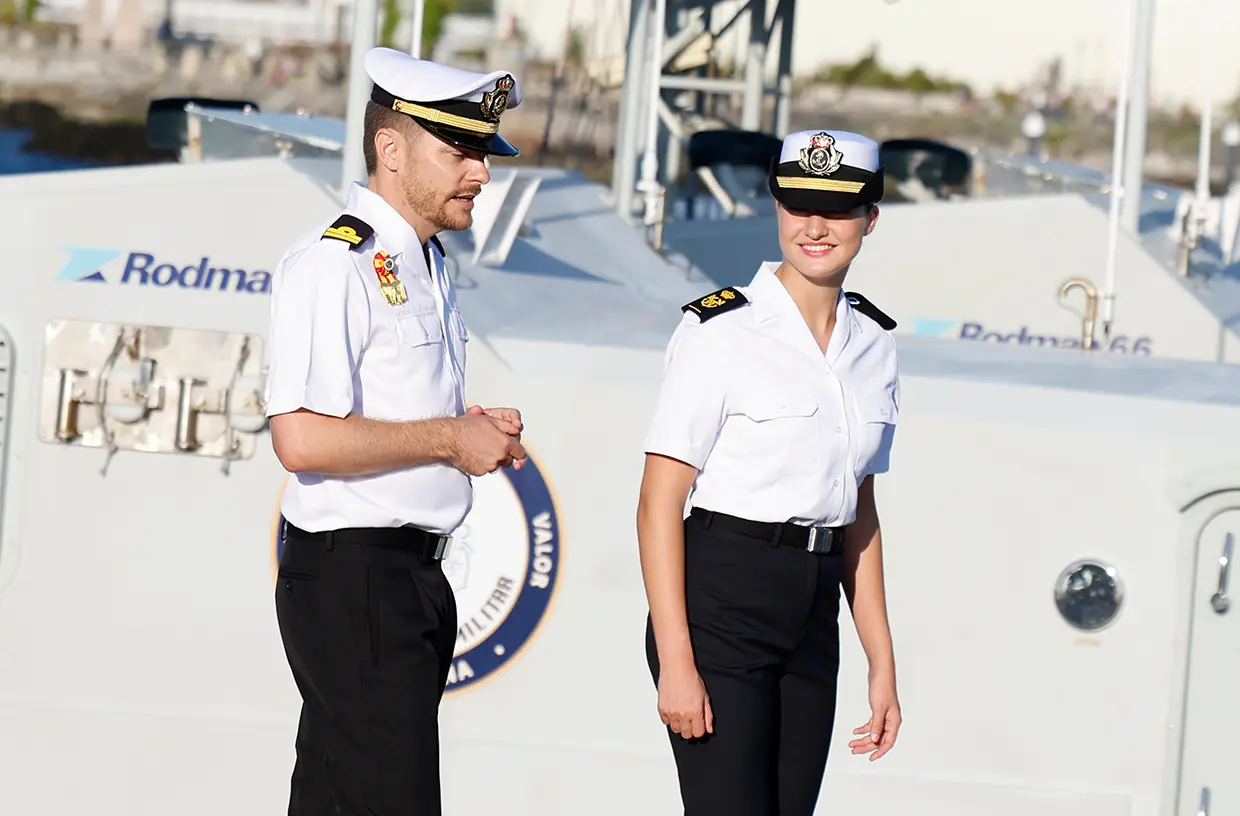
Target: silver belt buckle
[[443, 546], [821, 540]]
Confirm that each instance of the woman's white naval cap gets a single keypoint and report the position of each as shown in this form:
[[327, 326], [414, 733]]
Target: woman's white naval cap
[[461, 107], [826, 171]]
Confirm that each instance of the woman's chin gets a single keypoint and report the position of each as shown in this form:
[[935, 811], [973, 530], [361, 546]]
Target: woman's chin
[[823, 272]]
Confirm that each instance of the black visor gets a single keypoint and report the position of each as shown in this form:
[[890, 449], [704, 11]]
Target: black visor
[[844, 190]]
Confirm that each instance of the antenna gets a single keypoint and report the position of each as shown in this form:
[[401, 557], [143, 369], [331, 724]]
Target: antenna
[[1138, 114], [1195, 218], [1203, 152], [1117, 175], [671, 49], [365, 20]]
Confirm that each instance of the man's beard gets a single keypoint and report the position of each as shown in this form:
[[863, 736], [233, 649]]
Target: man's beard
[[436, 209]]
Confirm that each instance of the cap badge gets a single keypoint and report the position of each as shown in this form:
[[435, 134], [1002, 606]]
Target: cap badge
[[495, 102], [821, 158], [393, 290]]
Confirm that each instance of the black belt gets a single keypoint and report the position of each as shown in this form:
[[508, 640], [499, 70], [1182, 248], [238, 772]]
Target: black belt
[[426, 545], [819, 540]]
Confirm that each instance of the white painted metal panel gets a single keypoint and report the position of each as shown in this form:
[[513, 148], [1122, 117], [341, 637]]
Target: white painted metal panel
[[6, 389], [1209, 782]]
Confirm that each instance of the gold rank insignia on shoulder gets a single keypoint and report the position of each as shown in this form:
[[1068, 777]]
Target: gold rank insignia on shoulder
[[393, 290], [716, 303], [350, 229]]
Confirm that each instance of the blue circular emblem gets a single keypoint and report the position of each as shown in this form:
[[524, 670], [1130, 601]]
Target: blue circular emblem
[[503, 565]]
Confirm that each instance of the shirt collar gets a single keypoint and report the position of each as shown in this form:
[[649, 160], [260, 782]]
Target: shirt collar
[[392, 230], [771, 301]]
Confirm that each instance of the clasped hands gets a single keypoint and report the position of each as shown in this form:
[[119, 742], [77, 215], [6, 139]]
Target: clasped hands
[[491, 439]]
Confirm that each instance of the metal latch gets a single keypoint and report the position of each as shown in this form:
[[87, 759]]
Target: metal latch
[[1220, 600], [152, 389]]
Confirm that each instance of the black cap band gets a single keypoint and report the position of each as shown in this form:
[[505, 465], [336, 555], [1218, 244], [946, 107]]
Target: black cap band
[[845, 189], [455, 121]]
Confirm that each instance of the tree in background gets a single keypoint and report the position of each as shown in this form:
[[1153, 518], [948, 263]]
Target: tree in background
[[389, 22], [869, 72], [15, 12], [432, 18]]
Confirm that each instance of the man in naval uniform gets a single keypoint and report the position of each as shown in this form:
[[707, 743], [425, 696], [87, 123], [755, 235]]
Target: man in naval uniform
[[367, 406]]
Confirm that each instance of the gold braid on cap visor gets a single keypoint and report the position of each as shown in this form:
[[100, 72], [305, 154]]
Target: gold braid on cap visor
[[819, 184], [439, 117]]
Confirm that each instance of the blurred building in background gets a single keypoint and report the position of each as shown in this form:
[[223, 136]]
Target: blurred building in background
[[973, 41], [280, 21]]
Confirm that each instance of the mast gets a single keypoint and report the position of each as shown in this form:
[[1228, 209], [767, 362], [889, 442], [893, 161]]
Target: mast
[[365, 22], [661, 32], [416, 24]]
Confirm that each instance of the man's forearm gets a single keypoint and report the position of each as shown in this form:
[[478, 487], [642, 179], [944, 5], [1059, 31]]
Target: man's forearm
[[357, 446]]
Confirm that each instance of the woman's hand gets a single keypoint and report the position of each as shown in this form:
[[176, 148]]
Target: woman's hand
[[684, 705], [879, 734]]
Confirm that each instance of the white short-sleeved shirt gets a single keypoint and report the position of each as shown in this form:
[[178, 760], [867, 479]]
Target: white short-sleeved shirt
[[338, 347], [778, 430]]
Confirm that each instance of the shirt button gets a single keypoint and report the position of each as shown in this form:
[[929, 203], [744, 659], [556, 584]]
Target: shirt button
[[837, 483], [839, 429]]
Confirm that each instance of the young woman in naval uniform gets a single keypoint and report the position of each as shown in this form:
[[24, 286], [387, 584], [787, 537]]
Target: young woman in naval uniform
[[777, 410]]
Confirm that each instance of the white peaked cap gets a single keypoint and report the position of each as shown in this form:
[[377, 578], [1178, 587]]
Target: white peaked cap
[[826, 171], [461, 107], [416, 80], [857, 150]]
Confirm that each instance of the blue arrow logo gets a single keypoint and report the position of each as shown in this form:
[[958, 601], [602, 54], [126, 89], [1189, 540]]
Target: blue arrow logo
[[934, 328], [85, 262]]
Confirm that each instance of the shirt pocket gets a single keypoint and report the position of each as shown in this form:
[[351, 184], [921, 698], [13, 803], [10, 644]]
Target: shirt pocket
[[419, 330], [422, 364], [460, 336], [877, 413], [779, 431]]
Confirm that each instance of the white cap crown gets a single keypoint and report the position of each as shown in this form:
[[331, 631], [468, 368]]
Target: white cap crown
[[854, 149]]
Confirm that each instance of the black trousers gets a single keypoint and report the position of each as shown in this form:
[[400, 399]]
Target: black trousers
[[369, 630], [763, 620]]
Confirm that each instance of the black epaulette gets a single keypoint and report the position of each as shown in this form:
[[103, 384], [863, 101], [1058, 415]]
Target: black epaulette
[[350, 229], [871, 311], [716, 303]]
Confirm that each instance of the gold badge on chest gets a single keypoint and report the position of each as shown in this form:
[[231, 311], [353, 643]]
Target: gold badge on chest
[[393, 290]]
